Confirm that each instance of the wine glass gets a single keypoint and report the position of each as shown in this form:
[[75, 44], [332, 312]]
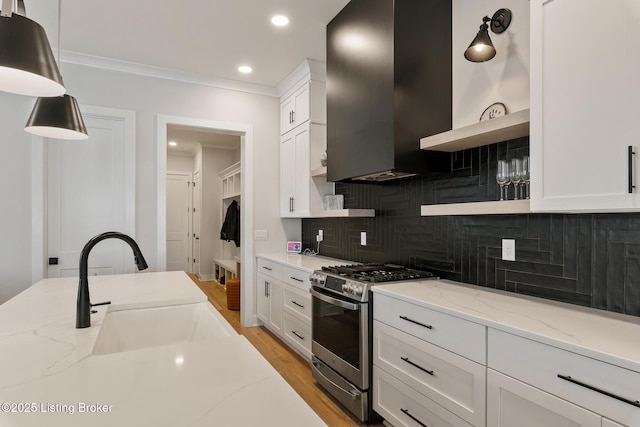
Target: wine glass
[[502, 177], [526, 173], [515, 175]]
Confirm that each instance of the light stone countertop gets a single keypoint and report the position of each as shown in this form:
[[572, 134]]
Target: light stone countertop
[[606, 336], [303, 262], [46, 365]]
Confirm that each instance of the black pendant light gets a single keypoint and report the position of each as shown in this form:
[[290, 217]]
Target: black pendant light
[[27, 65], [57, 117], [481, 48]]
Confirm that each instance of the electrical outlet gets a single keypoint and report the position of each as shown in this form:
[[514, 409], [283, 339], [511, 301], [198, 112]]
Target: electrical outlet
[[363, 238], [261, 235], [508, 249], [320, 236]]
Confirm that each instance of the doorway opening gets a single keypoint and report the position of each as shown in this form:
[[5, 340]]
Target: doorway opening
[[197, 203], [241, 134]]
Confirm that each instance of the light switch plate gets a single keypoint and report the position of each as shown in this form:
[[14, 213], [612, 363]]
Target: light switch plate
[[261, 235], [508, 249], [363, 238]]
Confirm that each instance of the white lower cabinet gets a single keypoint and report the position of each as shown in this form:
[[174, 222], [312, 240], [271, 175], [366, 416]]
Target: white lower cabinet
[[270, 302], [513, 403], [433, 368], [297, 333], [400, 405], [284, 303], [456, 383], [574, 379], [420, 374]]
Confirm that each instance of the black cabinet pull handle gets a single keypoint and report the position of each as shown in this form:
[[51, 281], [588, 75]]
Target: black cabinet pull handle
[[296, 279], [406, 359], [266, 268], [295, 303], [406, 412], [630, 158], [297, 334], [293, 117], [416, 322], [606, 393]]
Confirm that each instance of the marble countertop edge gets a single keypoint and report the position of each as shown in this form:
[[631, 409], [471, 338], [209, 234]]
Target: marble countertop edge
[[589, 332]]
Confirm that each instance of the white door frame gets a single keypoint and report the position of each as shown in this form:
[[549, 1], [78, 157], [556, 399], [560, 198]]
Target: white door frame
[[245, 131], [39, 156]]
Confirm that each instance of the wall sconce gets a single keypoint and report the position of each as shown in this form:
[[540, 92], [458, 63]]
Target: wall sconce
[[481, 48], [27, 65]]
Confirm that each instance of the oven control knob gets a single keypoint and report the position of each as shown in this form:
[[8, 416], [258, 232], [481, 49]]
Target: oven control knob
[[348, 288], [358, 291]]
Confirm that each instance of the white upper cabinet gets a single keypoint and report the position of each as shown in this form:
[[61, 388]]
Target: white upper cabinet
[[301, 194], [585, 105], [295, 109], [302, 103]]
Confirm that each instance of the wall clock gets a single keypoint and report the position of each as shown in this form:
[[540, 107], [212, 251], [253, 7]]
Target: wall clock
[[497, 109]]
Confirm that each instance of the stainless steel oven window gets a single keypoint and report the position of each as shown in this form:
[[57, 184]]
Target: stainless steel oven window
[[340, 333]]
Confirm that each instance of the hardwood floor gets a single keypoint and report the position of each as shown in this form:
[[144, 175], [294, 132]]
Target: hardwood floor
[[293, 368]]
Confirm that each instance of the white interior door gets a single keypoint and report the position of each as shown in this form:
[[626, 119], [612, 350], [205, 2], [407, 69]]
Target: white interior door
[[197, 189], [90, 190], [179, 213]]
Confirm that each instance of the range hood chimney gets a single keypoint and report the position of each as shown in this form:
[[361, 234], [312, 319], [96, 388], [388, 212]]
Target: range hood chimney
[[388, 85]]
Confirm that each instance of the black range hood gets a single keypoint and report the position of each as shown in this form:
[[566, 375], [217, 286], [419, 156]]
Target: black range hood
[[388, 85]]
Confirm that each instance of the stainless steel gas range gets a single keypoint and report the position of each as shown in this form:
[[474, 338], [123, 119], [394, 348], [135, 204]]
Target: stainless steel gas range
[[341, 325]]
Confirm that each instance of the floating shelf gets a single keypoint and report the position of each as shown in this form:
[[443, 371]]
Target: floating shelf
[[344, 213], [477, 208], [510, 126], [231, 196], [322, 171]]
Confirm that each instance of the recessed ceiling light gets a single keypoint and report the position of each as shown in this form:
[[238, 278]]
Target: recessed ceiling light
[[279, 20], [245, 69], [173, 143]]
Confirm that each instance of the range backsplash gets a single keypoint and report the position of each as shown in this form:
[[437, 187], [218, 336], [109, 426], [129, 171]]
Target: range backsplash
[[591, 260]]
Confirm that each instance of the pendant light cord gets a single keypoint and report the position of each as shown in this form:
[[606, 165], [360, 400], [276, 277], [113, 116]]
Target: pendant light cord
[[59, 28]]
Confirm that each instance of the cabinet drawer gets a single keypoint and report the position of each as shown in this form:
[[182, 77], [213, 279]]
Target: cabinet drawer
[[460, 336], [400, 405], [270, 268], [297, 278], [298, 302], [514, 403], [298, 334], [540, 365], [456, 383]]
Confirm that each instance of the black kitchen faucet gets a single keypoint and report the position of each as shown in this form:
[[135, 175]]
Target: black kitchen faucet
[[83, 307]]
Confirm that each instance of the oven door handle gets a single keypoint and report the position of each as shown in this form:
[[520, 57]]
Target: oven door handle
[[335, 301]]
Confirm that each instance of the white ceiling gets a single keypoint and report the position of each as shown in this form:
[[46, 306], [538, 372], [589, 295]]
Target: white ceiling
[[189, 140], [208, 38]]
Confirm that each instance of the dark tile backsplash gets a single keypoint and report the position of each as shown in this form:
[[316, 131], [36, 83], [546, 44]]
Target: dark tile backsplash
[[587, 259]]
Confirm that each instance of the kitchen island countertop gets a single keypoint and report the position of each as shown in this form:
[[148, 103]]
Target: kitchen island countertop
[[49, 376]]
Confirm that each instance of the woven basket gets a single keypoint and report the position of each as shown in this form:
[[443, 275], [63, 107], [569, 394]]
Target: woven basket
[[233, 294]]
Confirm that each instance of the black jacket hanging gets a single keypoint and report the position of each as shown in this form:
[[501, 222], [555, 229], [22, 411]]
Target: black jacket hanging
[[231, 226]]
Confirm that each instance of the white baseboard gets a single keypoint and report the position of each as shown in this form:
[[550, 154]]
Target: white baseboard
[[206, 277]]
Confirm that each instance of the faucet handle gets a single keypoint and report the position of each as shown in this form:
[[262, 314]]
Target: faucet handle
[[100, 303]]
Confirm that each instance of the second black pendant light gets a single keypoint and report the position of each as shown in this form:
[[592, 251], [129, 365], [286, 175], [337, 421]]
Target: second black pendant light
[[58, 116]]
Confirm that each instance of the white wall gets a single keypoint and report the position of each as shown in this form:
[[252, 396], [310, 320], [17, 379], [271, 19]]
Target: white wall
[[505, 78], [15, 195], [148, 97], [180, 163]]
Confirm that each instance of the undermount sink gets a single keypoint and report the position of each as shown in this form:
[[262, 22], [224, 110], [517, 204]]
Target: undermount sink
[[138, 328]]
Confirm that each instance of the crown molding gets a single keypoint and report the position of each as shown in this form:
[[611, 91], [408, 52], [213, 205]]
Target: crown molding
[[164, 73]]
